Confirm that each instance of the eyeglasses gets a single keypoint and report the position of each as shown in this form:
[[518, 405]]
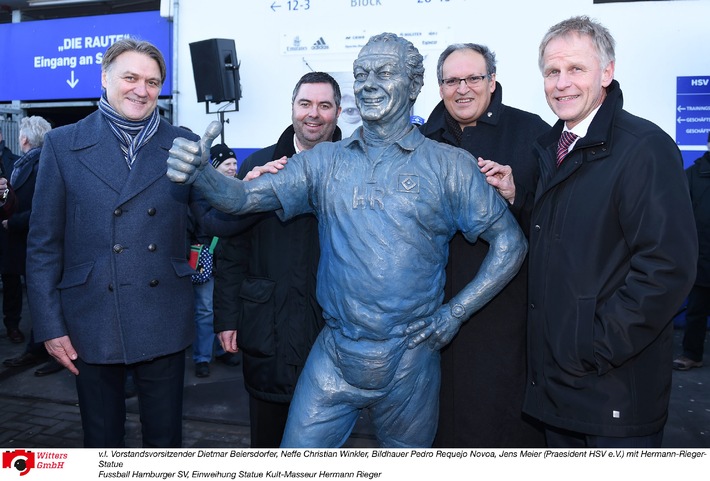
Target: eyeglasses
[[471, 81]]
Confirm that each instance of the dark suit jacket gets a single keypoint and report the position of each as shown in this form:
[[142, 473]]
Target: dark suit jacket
[[107, 255]]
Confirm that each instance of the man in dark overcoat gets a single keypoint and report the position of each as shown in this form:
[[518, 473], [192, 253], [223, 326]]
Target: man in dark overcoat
[[483, 369], [696, 316], [265, 284], [109, 283], [612, 254]]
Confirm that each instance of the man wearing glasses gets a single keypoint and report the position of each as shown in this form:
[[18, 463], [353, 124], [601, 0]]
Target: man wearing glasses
[[483, 369]]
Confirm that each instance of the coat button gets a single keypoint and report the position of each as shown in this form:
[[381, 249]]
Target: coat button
[[118, 212], [151, 211], [152, 247], [537, 227], [118, 248], [110, 287], [153, 283], [532, 306]]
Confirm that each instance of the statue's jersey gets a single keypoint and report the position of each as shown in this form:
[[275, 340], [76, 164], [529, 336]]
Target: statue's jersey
[[385, 225]]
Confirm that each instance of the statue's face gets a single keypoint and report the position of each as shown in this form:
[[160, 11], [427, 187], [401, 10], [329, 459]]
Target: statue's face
[[381, 82]]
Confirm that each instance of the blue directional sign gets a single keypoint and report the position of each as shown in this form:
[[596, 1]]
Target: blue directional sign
[[61, 59], [692, 110]]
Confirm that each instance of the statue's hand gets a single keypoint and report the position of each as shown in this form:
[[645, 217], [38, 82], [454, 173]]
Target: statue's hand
[[439, 329], [186, 158], [419, 331]]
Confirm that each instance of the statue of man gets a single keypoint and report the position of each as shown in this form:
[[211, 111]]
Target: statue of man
[[388, 202]]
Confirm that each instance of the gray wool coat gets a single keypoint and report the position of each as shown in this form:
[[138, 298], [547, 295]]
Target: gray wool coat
[[107, 246]]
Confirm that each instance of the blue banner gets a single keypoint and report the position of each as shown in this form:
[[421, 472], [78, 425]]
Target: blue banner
[[61, 59], [692, 110]]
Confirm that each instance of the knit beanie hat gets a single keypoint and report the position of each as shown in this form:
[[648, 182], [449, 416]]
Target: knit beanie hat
[[219, 153]]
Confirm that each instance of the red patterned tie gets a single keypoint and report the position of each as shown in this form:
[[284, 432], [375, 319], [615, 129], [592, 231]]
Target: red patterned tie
[[566, 140]]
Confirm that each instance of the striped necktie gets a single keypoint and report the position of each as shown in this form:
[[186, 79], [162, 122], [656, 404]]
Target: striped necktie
[[566, 139]]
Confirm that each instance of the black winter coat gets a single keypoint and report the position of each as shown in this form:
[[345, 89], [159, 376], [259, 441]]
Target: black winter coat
[[14, 238], [265, 288], [483, 368], [7, 159], [699, 182], [610, 262]]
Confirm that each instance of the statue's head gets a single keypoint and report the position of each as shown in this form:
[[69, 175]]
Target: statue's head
[[389, 74]]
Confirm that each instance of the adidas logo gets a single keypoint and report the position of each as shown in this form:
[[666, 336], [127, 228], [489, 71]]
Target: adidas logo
[[320, 45]]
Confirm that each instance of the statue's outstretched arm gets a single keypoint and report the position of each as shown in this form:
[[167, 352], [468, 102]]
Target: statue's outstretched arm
[[186, 165]]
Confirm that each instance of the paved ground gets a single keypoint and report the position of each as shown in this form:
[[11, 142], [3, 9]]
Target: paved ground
[[42, 412]]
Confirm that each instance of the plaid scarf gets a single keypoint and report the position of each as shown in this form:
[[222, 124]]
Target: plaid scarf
[[132, 135]]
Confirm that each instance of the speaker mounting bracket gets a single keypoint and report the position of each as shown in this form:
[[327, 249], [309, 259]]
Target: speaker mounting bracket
[[220, 112]]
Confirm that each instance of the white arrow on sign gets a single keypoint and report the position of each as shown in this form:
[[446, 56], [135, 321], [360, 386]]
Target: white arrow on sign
[[72, 83]]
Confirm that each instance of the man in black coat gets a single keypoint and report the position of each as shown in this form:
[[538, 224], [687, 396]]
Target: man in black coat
[[696, 317], [612, 254], [22, 174], [14, 237], [7, 203], [265, 280], [483, 369]]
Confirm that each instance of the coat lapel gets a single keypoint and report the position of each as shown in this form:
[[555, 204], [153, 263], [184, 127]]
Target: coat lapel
[[100, 152], [150, 165]]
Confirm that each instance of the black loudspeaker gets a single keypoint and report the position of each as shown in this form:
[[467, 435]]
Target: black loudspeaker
[[216, 70]]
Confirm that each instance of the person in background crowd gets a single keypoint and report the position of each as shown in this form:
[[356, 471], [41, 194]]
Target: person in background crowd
[[388, 201], [265, 286], [6, 155], [109, 282], [224, 160], [483, 369], [23, 177], [698, 310], [610, 256], [7, 199], [11, 317]]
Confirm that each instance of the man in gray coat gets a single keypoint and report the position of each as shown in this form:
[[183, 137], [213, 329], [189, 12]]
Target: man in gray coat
[[107, 273]]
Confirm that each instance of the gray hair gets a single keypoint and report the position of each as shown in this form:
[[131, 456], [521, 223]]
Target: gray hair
[[33, 129], [488, 55], [582, 25]]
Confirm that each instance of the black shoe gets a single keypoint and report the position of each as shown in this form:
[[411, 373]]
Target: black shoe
[[15, 336], [51, 367], [26, 359], [202, 369], [229, 358]]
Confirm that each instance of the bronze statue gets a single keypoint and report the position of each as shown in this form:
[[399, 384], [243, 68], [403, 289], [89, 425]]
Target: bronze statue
[[388, 201]]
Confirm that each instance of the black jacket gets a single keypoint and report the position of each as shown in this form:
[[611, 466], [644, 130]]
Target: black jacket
[[7, 159], [610, 262], [265, 288], [699, 182], [483, 368], [14, 238]]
